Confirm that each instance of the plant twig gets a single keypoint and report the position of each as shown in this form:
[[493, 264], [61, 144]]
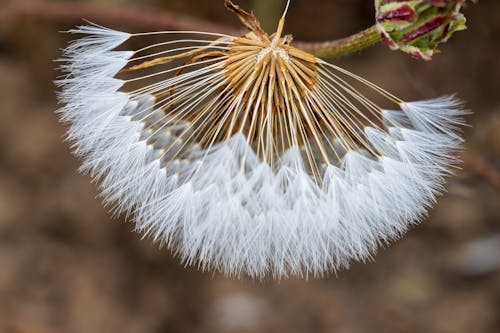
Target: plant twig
[[71, 12], [481, 167], [145, 18]]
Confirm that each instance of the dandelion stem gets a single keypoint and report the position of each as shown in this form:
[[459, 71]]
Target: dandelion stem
[[344, 46]]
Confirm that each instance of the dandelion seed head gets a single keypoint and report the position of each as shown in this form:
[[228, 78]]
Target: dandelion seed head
[[248, 155]]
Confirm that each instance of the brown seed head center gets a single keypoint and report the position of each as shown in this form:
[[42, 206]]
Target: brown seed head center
[[271, 64]]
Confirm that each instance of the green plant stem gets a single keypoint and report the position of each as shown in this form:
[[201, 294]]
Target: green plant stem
[[344, 46]]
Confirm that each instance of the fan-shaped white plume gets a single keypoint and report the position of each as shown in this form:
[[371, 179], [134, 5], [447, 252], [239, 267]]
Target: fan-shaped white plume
[[285, 171]]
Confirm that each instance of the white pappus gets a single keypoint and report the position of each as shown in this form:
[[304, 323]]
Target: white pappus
[[248, 155]]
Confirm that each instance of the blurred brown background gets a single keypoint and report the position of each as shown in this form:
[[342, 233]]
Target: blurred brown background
[[67, 266]]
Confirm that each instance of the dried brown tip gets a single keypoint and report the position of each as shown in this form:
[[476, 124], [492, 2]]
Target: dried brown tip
[[248, 19]]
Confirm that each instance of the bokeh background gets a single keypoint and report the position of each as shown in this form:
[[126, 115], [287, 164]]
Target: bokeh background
[[66, 266]]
